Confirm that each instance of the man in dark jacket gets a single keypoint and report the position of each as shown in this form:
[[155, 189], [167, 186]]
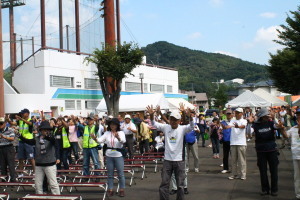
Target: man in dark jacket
[[46, 156]]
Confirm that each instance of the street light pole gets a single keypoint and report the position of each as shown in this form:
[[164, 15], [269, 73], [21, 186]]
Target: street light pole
[[142, 77]]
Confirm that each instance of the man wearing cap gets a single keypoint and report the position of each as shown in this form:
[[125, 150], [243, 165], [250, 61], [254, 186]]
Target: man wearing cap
[[90, 146], [47, 156], [129, 129], [294, 134], [266, 149], [25, 151], [7, 151], [174, 152], [238, 145], [226, 140]]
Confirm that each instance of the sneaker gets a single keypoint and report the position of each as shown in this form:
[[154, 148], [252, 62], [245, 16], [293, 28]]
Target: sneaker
[[274, 194], [186, 191], [222, 165], [233, 177], [196, 170], [187, 170], [248, 140], [224, 171], [264, 193], [173, 192], [243, 178]]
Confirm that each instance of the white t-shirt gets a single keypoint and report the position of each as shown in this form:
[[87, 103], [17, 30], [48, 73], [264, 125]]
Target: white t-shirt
[[113, 142], [173, 139], [124, 128], [238, 135], [295, 142], [159, 141]]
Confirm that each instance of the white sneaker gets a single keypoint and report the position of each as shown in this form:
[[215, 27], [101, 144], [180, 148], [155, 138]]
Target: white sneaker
[[233, 177], [187, 170], [224, 171], [221, 165], [196, 170], [248, 139]]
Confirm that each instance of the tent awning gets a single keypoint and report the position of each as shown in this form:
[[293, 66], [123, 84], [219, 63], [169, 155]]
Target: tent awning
[[248, 99], [268, 97], [174, 103]]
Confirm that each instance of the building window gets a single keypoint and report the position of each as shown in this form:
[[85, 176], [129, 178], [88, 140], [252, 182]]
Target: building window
[[145, 87], [156, 88], [91, 105], [70, 104], [61, 81], [78, 104], [133, 87], [169, 88], [90, 83]]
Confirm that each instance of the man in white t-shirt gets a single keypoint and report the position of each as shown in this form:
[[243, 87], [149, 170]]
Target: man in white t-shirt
[[294, 134], [129, 129], [174, 152], [238, 145]]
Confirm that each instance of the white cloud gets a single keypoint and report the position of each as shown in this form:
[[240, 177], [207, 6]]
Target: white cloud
[[216, 2], [227, 53], [194, 36], [267, 35], [268, 15]]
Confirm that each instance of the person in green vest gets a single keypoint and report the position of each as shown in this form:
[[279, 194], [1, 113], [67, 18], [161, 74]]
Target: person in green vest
[[90, 146], [25, 150], [61, 133]]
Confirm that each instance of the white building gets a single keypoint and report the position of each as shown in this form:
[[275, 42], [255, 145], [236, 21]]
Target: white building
[[71, 86]]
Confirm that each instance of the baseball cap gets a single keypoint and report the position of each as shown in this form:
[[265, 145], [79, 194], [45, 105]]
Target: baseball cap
[[127, 117], [239, 110], [2, 120], [25, 110], [262, 112], [176, 115]]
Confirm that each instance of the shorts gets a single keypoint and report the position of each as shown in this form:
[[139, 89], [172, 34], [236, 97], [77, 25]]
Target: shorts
[[25, 151]]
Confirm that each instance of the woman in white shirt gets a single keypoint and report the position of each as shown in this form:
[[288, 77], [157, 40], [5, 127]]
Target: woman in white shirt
[[114, 138]]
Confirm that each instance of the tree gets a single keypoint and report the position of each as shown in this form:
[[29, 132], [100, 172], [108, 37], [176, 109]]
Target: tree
[[285, 64], [221, 96], [113, 63]]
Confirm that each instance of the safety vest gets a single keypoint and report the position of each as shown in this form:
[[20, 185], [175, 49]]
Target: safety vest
[[24, 130], [65, 139], [88, 142]]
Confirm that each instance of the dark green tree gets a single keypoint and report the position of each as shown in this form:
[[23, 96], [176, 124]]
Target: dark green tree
[[284, 66], [221, 96], [113, 63]]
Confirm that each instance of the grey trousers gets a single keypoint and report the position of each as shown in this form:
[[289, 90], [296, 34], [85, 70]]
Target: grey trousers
[[238, 160], [50, 172], [178, 167], [194, 149]]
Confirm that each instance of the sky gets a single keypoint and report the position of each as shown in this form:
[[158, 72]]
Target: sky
[[241, 28]]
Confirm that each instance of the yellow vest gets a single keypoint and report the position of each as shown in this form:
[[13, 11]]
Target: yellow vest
[[65, 139], [24, 130], [88, 142]]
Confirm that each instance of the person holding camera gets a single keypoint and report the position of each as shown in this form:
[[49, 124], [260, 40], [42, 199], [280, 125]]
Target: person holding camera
[[7, 151], [46, 156]]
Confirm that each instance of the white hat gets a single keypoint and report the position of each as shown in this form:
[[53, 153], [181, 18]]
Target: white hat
[[2, 119], [176, 115], [239, 110], [110, 116], [127, 117]]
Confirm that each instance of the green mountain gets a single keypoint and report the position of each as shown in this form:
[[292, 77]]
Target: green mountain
[[198, 69]]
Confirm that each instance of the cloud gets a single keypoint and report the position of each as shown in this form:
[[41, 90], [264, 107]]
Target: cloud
[[227, 53], [194, 36], [268, 15], [267, 35], [216, 2]]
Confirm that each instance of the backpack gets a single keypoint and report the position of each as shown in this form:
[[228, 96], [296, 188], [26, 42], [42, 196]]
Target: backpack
[[190, 138]]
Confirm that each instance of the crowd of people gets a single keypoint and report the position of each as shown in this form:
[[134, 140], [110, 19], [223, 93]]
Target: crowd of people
[[50, 145]]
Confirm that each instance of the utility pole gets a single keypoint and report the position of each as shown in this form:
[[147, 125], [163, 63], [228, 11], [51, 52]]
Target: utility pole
[[43, 24], [61, 34], [109, 23], [2, 112], [77, 26], [67, 33], [11, 37], [118, 22]]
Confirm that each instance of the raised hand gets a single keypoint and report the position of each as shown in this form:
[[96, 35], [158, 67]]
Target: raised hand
[[150, 109], [158, 110], [181, 107]]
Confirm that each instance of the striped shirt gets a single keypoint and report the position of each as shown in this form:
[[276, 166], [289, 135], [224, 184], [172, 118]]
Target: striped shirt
[[7, 132]]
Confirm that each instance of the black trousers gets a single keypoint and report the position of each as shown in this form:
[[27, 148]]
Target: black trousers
[[144, 145], [226, 151], [7, 155], [263, 159], [129, 145]]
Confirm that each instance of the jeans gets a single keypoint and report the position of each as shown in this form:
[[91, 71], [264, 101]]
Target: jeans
[[74, 148], [202, 137], [7, 155], [87, 154], [63, 156], [215, 145], [50, 172], [117, 163], [296, 164], [194, 149], [178, 167], [226, 151], [263, 159]]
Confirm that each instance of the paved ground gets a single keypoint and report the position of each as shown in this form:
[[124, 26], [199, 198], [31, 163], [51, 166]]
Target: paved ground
[[209, 183]]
